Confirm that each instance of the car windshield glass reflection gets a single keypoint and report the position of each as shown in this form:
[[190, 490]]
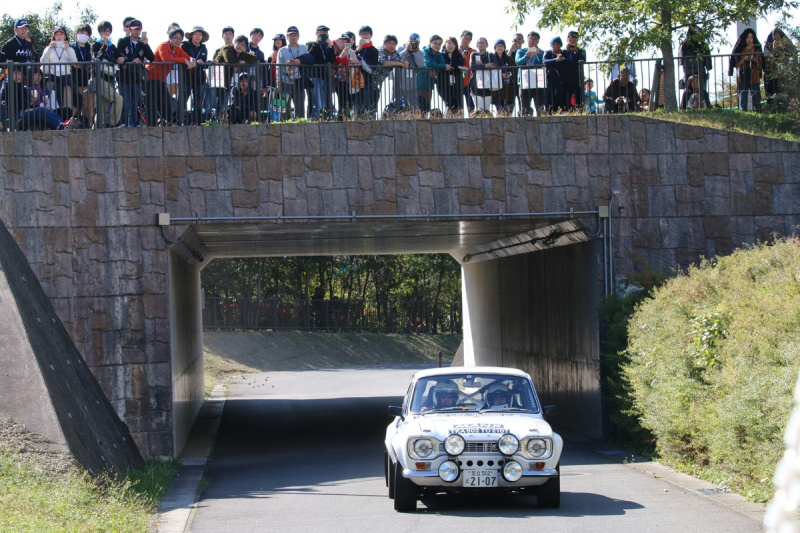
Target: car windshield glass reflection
[[473, 392]]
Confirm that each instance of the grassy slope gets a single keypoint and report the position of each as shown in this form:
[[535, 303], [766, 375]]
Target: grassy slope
[[776, 126], [232, 353]]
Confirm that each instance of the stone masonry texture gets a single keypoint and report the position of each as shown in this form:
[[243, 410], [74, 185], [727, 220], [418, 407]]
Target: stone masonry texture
[[82, 205]]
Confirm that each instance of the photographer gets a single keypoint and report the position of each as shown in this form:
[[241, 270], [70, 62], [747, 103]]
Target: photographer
[[621, 95], [406, 85], [324, 55], [59, 52], [134, 51]]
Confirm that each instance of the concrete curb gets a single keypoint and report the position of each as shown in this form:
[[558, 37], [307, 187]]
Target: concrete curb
[[178, 504]]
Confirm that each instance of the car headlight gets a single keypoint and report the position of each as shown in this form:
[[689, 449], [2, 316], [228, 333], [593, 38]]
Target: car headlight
[[512, 471], [454, 444], [537, 447], [423, 448], [508, 444], [448, 471]]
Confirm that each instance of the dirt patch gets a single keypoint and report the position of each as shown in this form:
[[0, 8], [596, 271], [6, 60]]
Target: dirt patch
[[32, 449], [232, 353]]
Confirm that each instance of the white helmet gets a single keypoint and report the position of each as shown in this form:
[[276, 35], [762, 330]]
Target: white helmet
[[445, 394], [497, 396]]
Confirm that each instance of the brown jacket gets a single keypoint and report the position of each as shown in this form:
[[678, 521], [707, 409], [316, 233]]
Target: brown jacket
[[227, 54]]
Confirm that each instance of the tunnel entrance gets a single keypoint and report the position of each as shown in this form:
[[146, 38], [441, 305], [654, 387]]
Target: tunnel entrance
[[530, 285]]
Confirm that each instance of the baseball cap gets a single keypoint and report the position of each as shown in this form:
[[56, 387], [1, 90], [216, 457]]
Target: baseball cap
[[413, 37], [345, 37], [228, 28], [21, 22], [279, 36], [135, 24], [323, 27], [292, 29]]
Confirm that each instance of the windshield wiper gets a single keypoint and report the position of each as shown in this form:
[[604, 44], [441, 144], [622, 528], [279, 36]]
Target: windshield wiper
[[506, 410], [450, 409]]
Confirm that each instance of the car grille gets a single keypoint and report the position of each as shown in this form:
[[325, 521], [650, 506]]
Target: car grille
[[480, 447]]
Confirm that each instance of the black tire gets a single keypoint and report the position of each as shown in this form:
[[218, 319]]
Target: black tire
[[390, 476], [549, 494], [405, 492]]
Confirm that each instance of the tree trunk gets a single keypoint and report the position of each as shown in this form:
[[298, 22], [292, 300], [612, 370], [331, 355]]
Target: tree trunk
[[670, 96]]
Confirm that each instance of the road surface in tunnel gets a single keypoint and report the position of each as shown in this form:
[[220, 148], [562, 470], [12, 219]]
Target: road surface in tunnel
[[303, 451]]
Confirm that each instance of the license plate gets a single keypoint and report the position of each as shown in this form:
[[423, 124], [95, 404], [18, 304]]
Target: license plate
[[480, 478]]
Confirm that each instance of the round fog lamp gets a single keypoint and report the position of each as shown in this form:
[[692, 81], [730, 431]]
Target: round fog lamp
[[454, 444], [508, 444], [512, 471], [537, 447], [448, 471], [423, 447]]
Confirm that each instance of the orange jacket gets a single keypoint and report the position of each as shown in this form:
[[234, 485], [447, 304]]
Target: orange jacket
[[164, 53]]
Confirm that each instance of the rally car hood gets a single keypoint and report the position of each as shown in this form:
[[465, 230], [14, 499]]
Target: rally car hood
[[480, 426]]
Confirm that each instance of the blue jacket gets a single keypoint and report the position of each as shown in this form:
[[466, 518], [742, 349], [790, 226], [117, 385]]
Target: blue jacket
[[535, 59], [435, 60]]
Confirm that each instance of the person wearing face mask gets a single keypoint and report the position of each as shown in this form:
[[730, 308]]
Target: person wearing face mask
[[82, 101], [60, 57]]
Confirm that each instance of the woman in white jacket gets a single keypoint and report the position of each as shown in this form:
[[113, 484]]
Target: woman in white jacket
[[60, 55]]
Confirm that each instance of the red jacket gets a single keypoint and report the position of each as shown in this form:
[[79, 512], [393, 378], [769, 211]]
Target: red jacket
[[164, 53]]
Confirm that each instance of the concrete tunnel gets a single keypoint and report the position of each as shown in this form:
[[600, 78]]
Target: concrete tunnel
[[530, 289]]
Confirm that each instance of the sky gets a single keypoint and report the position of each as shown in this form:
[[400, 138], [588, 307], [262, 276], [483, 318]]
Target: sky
[[485, 18]]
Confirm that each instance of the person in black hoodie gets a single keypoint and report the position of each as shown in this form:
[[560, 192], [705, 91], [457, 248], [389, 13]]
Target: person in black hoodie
[[747, 58], [135, 51], [324, 55], [196, 78]]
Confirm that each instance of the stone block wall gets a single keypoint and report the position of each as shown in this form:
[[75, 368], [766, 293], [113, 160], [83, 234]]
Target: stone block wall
[[83, 204]]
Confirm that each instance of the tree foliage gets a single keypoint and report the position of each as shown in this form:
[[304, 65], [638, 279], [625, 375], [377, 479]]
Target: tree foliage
[[433, 277], [42, 25], [641, 25]]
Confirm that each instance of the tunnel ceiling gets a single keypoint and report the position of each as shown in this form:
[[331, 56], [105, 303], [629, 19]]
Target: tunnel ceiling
[[362, 237]]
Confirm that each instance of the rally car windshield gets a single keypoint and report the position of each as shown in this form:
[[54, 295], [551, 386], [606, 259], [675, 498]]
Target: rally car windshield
[[473, 392]]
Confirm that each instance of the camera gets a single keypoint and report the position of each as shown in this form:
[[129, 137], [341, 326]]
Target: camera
[[59, 44]]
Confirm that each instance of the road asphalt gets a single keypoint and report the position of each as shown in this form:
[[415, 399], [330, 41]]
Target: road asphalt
[[264, 431]]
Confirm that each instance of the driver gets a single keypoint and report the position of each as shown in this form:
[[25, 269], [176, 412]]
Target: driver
[[445, 394], [498, 396]]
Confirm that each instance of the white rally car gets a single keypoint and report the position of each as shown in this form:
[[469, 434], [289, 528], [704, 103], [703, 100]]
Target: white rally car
[[471, 428]]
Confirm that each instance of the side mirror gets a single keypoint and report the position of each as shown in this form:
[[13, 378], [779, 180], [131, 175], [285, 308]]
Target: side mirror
[[395, 410], [549, 410]]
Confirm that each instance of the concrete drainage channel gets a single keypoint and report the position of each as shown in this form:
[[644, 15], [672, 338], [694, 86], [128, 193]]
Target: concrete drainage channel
[[178, 504]]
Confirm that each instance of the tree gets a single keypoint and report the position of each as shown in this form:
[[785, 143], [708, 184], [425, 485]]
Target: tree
[[42, 26], [644, 24]]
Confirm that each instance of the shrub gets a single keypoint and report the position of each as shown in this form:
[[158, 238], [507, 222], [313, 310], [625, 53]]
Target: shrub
[[714, 357]]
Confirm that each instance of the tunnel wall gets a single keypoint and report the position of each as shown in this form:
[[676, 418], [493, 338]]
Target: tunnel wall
[[82, 206], [538, 312], [186, 346]]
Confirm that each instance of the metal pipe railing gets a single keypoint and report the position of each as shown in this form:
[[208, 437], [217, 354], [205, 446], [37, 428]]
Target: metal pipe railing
[[101, 94]]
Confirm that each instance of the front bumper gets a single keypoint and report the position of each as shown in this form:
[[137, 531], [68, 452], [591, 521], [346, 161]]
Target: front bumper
[[428, 478]]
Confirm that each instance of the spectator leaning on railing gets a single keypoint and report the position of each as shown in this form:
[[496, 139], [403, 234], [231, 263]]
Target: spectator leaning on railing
[[158, 99], [531, 79], [194, 46], [107, 57]]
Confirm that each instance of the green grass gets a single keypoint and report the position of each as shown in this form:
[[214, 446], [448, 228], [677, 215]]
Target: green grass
[[775, 125], [33, 499]]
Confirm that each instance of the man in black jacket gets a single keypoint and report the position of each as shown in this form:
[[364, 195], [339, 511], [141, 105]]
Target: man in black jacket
[[135, 51], [18, 49], [621, 95], [324, 55]]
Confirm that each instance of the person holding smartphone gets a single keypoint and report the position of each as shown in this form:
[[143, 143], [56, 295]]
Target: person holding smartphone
[[135, 51], [59, 54]]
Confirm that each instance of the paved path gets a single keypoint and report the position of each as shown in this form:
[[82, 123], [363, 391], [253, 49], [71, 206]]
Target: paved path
[[302, 451]]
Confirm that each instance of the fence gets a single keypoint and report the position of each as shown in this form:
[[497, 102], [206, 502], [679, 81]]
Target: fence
[[103, 94], [380, 316]]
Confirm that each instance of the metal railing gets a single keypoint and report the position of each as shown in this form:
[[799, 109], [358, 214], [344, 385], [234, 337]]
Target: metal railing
[[382, 316], [103, 94]]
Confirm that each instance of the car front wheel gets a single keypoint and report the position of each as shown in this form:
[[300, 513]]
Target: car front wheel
[[405, 492], [549, 494]]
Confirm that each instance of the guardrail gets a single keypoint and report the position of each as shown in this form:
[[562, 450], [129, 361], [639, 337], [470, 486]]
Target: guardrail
[[104, 94], [379, 316]]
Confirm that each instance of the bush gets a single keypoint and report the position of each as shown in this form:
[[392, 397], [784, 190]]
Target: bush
[[713, 363]]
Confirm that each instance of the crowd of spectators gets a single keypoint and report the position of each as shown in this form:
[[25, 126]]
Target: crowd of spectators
[[89, 81]]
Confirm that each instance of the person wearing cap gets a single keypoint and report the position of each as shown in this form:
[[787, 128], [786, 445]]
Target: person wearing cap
[[244, 104], [323, 55], [278, 42], [158, 101], [531, 87], [345, 51], [406, 83], [82, 100], [217, 96], [556, 92], [574, 56], [291, 77], [18, 49], [194, 45], [135, 51], [365, 102], [564, 73], [59, 57], [102, 85]]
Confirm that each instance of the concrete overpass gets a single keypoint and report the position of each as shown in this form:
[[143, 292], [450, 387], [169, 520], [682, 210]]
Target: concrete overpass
[[516, 201]]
